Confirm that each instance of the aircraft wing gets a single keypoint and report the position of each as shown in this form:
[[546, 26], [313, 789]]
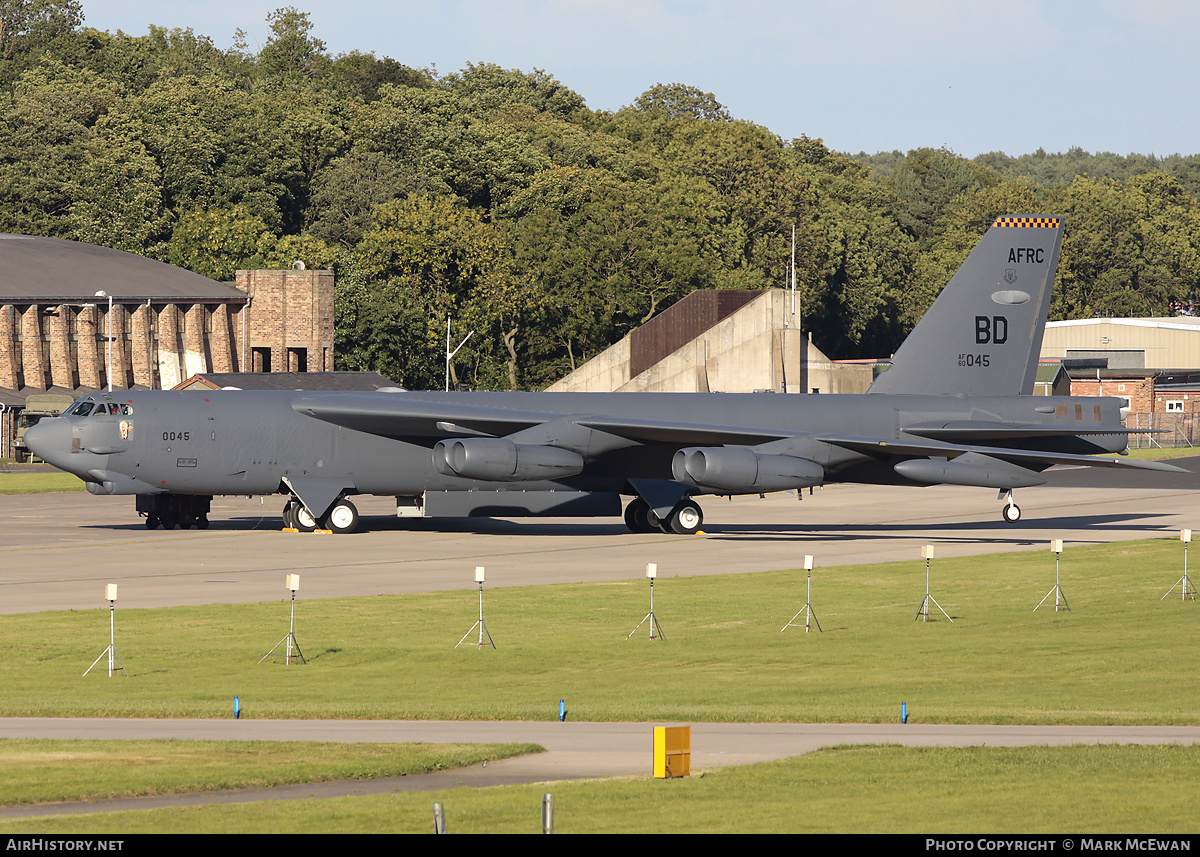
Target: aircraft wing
[[935, 449], [697, 434], [410, 417], [434, 418], [413, 418]]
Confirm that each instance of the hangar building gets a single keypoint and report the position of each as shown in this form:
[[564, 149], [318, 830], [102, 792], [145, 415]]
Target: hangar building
[[74, 317], [1154, 363]]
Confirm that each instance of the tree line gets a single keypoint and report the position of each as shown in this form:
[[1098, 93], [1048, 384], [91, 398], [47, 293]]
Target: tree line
[[497, 199]]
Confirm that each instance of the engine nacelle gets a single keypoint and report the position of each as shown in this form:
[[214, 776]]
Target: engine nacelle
[[498, 459], [741, 470]]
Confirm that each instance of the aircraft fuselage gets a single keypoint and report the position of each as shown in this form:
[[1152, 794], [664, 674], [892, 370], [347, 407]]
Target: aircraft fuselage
[[248, 442]]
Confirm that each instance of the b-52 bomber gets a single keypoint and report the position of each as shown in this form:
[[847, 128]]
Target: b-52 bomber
[[955, 407]]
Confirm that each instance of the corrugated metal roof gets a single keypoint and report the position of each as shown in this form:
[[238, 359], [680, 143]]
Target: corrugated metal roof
[[47, 269]]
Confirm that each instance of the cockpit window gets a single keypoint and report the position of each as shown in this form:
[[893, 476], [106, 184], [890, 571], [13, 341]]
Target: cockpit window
[[82, 409], [126, 410]]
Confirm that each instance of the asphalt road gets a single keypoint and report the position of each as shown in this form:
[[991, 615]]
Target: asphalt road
[[59, 550]]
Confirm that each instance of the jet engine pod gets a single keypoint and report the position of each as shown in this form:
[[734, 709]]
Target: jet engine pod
[[738, 469], [498, 459]]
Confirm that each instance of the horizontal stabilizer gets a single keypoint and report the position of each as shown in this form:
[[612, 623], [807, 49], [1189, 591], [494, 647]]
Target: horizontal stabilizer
[[984, 430]]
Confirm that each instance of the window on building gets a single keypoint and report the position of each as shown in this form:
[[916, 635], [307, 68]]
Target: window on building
[[1175, 405]]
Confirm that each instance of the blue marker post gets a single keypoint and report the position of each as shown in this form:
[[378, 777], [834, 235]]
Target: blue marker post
[[904, 712], [237, 707], [562, 711]]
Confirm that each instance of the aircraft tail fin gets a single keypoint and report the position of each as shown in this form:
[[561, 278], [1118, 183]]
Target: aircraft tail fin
[[983, 334]]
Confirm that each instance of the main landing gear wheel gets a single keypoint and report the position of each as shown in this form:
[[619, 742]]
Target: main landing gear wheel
[[1011, 513], [305, 522], [685, 519], [637, 517], [342, 518], [289, 515]]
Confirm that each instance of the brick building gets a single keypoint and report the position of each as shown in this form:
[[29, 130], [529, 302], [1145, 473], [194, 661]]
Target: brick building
[[61, 301]]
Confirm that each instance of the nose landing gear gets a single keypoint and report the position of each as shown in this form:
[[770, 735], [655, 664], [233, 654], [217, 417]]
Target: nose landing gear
[[174, 510]]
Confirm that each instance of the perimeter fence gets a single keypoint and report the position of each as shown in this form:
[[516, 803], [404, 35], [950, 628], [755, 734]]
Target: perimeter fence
[[1170, 428]]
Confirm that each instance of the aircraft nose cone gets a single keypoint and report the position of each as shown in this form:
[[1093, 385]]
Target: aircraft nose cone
[[50, 440]]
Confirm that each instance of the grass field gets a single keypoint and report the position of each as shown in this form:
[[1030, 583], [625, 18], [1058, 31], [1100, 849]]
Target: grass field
[[1122, 656], [45, 771], [974, 790], [17, 479]]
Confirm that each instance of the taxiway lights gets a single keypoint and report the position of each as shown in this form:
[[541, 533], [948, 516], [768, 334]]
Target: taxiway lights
[[110, 595]]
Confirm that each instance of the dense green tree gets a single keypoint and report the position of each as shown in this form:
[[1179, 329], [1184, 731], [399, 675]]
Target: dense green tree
[[958, 231], [860, 259], [45, 132], [119, 198], [216, 243], [30, 27], [292, 50], [928, 182], [606, 255], [678, 101], [422, 262], [1130, 250], [496, 198], [346, 192], [362, 75]]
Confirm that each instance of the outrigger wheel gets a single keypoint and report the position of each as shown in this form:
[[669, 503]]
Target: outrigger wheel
[[1011, 512]]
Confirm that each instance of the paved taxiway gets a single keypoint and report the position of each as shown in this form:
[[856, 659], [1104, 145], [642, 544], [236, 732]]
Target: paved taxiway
[[60, 549]]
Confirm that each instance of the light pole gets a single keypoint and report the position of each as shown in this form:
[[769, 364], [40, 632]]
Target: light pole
[[108, 335], [450, 354]]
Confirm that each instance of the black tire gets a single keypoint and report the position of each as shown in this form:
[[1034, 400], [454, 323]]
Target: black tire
[[151, 522], [686, 518], [202, 522], [342, 518], [1011, 513], [305, 522], [637, 517], [288, 515]]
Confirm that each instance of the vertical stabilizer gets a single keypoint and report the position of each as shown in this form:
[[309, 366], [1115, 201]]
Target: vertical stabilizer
[[983, 334]]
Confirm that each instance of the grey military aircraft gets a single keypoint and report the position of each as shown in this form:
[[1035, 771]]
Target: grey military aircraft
[[953, 408]]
